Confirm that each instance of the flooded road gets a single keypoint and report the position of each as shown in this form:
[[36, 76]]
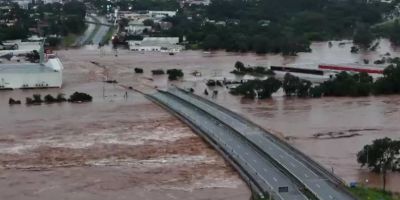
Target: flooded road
[[45, 150]]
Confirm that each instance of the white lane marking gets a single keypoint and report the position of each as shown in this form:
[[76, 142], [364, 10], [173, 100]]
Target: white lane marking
[[306, 175], [246, 153], [318, 186], [293, 165], [265, 170], [255, 161], [276, 180], [330, 196]]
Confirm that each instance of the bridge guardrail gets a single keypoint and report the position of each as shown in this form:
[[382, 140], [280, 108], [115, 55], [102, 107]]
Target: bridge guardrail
[[245, 175], [314, 165]]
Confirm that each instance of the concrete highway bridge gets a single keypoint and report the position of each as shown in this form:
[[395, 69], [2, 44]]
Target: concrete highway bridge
[[272, 168]]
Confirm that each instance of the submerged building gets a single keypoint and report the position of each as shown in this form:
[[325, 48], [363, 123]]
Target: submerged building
[[45, 74], [161, 44]]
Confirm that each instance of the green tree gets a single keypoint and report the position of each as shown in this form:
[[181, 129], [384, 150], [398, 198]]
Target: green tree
[[303, 90], [257, 88], [363, 36], [49, 99], [211, 42], [37, 98], [345, 84], [148, 22], [290, 84], [390, 82], [174, 74], [380, 156], [394, 34], [75, 8], [240, 68]]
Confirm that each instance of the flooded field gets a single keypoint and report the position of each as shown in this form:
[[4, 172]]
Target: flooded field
[[135, 149]]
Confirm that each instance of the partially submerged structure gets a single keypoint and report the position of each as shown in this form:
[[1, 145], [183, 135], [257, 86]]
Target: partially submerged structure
[[161, 44], [45, 74]]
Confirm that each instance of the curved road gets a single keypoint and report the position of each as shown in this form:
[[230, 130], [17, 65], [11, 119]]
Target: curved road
[[95, 31], [263, 173], [315, 181]]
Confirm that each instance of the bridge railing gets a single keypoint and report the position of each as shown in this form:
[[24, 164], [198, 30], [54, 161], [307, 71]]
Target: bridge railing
[[314, 165], [249, 179]]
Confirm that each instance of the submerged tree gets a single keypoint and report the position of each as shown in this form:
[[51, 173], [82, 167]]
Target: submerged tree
[[257, 88], [380, 156]]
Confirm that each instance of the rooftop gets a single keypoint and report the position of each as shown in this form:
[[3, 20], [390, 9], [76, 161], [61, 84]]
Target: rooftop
[[53, 65]]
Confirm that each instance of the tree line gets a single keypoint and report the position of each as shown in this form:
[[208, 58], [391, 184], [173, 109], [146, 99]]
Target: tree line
[[343, 84], [53, 19], [36, 99], [381, 156], [284, 26]]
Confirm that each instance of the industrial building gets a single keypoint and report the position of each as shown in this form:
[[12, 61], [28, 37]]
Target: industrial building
[[31, 75], [16, 47], [45, 74], [161, 44]]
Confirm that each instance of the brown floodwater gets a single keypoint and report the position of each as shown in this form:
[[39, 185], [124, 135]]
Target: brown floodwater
[[297, 120]]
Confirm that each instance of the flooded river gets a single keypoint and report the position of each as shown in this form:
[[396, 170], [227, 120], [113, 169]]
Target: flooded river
[[296, 120]]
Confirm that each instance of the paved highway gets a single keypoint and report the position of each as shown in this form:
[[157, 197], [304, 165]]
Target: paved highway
[[314, 180], [83, 38], [256, 166]]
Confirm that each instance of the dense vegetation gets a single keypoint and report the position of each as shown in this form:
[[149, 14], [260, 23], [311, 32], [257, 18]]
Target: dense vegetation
[[293, 85], [53, 19], [285, 26], [157, 72], [380, 156], [240, 69], [37, 99], [174, 74], [79, 97], [138, 70], [260, 89], [343, 84]]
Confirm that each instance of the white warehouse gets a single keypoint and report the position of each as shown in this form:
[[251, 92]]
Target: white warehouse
[[31, 75], [161, 44]]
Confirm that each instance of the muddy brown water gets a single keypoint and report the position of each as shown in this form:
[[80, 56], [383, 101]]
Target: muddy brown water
[[297, 120]]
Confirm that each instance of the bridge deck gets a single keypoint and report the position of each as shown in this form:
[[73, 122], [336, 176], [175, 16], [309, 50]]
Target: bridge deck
[[314, 180], [257, 167]]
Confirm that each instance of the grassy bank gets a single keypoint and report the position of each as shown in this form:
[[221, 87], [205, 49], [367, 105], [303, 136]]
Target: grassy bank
[[69, 40], [373, 194]]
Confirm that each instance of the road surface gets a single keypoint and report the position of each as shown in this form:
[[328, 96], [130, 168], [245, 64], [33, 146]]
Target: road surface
[[322, 186], [101, 32], [257, 167], [97, 29]]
